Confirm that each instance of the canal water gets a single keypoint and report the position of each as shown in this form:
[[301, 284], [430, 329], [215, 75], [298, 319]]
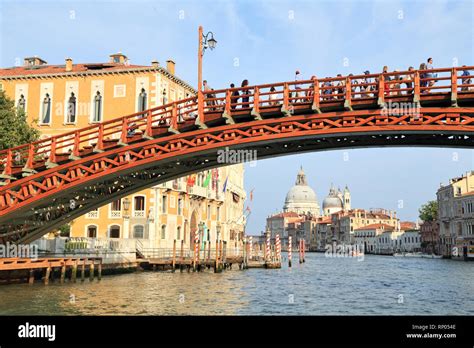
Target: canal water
[[321, 286]]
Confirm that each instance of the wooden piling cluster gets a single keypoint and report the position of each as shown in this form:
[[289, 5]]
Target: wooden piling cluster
[[48, 267], [203, 256]]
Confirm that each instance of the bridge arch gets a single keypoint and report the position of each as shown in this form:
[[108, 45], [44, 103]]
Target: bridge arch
[[44, 186]]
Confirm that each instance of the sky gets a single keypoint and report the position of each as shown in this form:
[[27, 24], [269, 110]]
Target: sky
[[266, 41]]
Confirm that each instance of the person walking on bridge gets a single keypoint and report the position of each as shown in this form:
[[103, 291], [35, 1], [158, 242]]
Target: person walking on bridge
[[235, 96], [245, 94], [465, 80], [297, 86], [429, 66]]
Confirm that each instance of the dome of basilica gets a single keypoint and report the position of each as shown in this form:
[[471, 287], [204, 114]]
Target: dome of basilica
[[301, 198]]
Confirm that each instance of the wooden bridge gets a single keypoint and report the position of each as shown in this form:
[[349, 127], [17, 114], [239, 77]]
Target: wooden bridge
[[52, 181]]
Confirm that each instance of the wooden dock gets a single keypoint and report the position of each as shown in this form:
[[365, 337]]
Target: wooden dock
[[19, 269]]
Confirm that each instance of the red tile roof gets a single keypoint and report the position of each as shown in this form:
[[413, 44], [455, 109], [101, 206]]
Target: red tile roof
[[285, 214], [57, 69], [376, 226], [324, 220], [407, 225]]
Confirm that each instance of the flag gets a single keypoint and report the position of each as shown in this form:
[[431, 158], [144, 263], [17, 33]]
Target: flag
[[251, 195], [191, 180], [248, 209], [215, 177], [207, 180], [225, 184]]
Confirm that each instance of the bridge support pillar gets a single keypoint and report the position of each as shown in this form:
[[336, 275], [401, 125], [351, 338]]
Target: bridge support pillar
[[256, 115], [199, 124], [173, 130], [50, 165], [28, 171], [228, 118]]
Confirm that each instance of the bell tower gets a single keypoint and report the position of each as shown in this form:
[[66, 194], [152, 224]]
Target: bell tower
[[346, 199]]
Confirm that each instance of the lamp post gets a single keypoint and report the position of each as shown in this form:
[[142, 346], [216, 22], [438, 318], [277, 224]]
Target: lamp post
[[205, 41]]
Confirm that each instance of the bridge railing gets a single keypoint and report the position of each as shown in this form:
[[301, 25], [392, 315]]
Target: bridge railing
[[176, 116]]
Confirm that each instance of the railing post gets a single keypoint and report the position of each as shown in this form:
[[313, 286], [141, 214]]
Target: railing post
[[201, 105], [77, 143], [381, 98], [174, 116], [8, 163], [100, 139], [286, 99], [123, 136], [256, 104], [348, 99], [416, 86], [28, 167], [149, 122], [454, 87], [228, 101], [316, 96], [52, 154]]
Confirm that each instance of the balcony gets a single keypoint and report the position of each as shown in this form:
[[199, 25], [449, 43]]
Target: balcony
[[93, 214], [115, 214], [139, 214]]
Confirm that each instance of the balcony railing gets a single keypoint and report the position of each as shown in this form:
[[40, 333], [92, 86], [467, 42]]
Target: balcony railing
[[115, 214], [139, 213]]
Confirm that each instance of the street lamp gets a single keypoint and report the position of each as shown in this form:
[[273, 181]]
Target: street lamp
[[126, 205], [205, 41]]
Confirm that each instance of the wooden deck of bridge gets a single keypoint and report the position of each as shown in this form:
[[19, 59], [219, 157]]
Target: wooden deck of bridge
[[14, 268]]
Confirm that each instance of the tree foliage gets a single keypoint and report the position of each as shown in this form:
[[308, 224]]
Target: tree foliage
[[14, 127], [429, 211]]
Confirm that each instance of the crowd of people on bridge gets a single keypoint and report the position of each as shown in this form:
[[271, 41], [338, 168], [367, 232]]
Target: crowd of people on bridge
[[367, 85]]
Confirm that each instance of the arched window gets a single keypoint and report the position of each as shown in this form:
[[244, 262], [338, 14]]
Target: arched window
[[46, 112], [178, 233], [163, 231], [138, 231], [21, 103], [142, 100], [92, 231], [97, 116], [114, 231], [71, 109]]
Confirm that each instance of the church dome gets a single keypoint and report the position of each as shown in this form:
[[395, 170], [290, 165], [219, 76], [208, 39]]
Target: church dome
[[301, 198], [300, 194], [332, 202]]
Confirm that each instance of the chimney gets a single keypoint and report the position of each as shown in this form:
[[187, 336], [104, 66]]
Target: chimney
[[170, 65], [68, 64], [155, 63]]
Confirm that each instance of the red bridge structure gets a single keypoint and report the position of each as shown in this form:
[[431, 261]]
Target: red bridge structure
[[52, 181]]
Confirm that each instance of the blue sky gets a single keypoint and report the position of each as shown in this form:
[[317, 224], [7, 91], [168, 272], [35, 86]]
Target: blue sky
[[266, 41]]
